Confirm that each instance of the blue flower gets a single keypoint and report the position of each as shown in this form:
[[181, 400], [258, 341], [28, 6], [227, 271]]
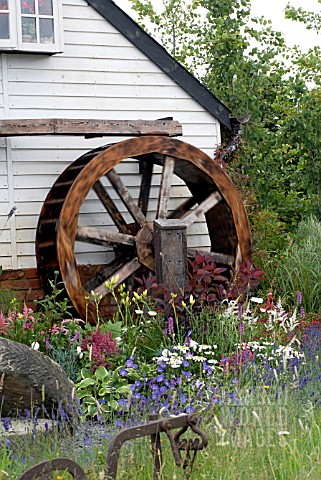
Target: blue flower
[[130, 363], [123, 372], [119, 422]]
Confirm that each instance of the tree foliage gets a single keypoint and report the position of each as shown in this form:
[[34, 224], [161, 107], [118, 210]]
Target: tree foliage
[[272, 88]]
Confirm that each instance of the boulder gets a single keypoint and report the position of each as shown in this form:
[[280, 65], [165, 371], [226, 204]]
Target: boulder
[[29, 379]]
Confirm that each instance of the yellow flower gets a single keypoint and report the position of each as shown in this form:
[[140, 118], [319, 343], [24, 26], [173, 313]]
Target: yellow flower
[[266, 386], [191, 300]]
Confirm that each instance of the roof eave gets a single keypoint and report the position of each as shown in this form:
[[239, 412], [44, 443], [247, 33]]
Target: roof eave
[[159, 55]]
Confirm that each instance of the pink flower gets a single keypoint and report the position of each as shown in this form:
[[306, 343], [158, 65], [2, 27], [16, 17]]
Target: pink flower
[[103, 348], [2, 324]]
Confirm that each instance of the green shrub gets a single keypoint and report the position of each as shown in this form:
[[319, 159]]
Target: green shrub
[[299, 268], [268, 234]]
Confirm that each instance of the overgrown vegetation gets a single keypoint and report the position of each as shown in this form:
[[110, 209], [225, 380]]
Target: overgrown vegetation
[[243, 351], [273, 89], [247, 364]]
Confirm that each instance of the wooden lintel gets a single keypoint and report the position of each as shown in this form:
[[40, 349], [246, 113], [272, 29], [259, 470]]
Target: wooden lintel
[[89, 128]]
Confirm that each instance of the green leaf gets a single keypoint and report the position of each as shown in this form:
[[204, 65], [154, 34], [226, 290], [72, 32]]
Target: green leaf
[[113, 404], [124, 389], [89, 401], [104, 391], [101, 373], [85, 383], [86, 373]]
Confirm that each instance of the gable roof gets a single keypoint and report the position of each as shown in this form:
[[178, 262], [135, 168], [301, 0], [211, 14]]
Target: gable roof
[[153, 50]]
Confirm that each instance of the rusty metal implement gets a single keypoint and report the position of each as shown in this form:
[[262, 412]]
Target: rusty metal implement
[[153, 429], [44, 469]]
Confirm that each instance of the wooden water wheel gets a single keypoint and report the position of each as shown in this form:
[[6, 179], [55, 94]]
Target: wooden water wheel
[[130, 239]]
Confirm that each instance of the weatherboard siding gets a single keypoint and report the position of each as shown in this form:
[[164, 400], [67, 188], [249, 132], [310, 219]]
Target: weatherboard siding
[[100, 74]]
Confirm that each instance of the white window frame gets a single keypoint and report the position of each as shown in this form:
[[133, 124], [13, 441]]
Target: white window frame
[[16, 42]]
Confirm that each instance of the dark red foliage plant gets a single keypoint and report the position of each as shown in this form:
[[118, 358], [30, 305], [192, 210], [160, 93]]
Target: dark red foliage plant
[[206, 282], [244, 280], [102, 348]]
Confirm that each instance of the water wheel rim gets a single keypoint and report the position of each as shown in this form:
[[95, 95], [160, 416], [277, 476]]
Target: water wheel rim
[[104, 162]]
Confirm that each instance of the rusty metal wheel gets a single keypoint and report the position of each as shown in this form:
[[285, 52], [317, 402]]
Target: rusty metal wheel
[[130, 242]]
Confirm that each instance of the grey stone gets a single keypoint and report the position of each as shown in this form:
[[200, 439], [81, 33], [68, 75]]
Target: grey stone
[[29, 379]]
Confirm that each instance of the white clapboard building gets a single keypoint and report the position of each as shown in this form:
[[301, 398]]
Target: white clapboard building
[[83, 60]]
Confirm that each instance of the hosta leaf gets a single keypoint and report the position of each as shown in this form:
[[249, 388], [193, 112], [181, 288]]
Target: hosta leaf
[[101, 373], [124, 389], [113, 404], [93, 410], [85, 383], [89, 401], [104, 391], [86, 373]]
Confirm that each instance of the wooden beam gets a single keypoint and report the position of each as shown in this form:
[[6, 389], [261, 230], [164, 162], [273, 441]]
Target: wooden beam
[[126, 197], [168, 170], [97, 236], [111, 208], [171, 246], [89, 128], [213, 199], [123, 272]]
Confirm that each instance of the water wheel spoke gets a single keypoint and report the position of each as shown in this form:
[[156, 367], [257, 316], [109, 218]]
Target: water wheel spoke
[[110, 206], [107, 272], [98, 236], [213, 199], [146, 169], [183, 208], [166, 182], [126, 197], [121, 274]]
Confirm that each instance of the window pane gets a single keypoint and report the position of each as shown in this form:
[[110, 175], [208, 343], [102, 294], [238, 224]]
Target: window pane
[[46, 30], [4, 5], [4, 26], [29, 30], [27, 6], [45, 7]]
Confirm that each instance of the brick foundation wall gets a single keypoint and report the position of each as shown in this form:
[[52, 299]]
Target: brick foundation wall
[[26, 285]]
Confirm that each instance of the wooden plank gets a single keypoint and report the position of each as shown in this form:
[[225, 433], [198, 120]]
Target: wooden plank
[[124, 272], [110, 206], [103, 237], [56, 126], [49, 77], [183, 208], [125, 196], [213, 199], [146, 169], [95, 104], [35, 89], [170, 253], [101, 276], [166, 182]]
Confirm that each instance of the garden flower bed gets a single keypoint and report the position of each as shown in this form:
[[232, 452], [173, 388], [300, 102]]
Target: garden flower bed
[[248, 365]]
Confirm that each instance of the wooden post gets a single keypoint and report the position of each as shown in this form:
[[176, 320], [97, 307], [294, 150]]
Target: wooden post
[[171, 253]]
